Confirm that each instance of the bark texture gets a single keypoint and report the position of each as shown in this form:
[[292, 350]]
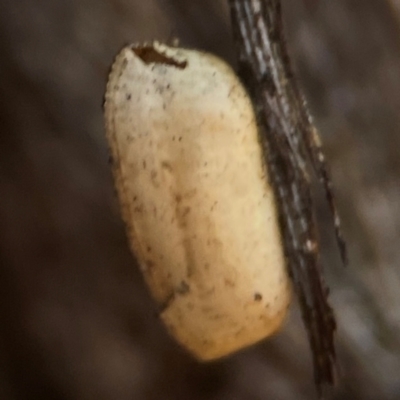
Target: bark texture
[[76, 318]]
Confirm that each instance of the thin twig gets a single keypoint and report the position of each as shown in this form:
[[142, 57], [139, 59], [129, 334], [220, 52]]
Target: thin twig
[[294, 156]]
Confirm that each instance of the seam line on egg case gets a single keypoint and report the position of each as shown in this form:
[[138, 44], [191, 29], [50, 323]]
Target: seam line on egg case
[[126, 209]]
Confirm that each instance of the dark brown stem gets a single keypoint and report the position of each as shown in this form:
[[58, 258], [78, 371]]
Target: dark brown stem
[[294, 157]]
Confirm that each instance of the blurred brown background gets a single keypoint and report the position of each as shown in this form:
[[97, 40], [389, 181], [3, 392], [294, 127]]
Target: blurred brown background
[[76, 321]]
